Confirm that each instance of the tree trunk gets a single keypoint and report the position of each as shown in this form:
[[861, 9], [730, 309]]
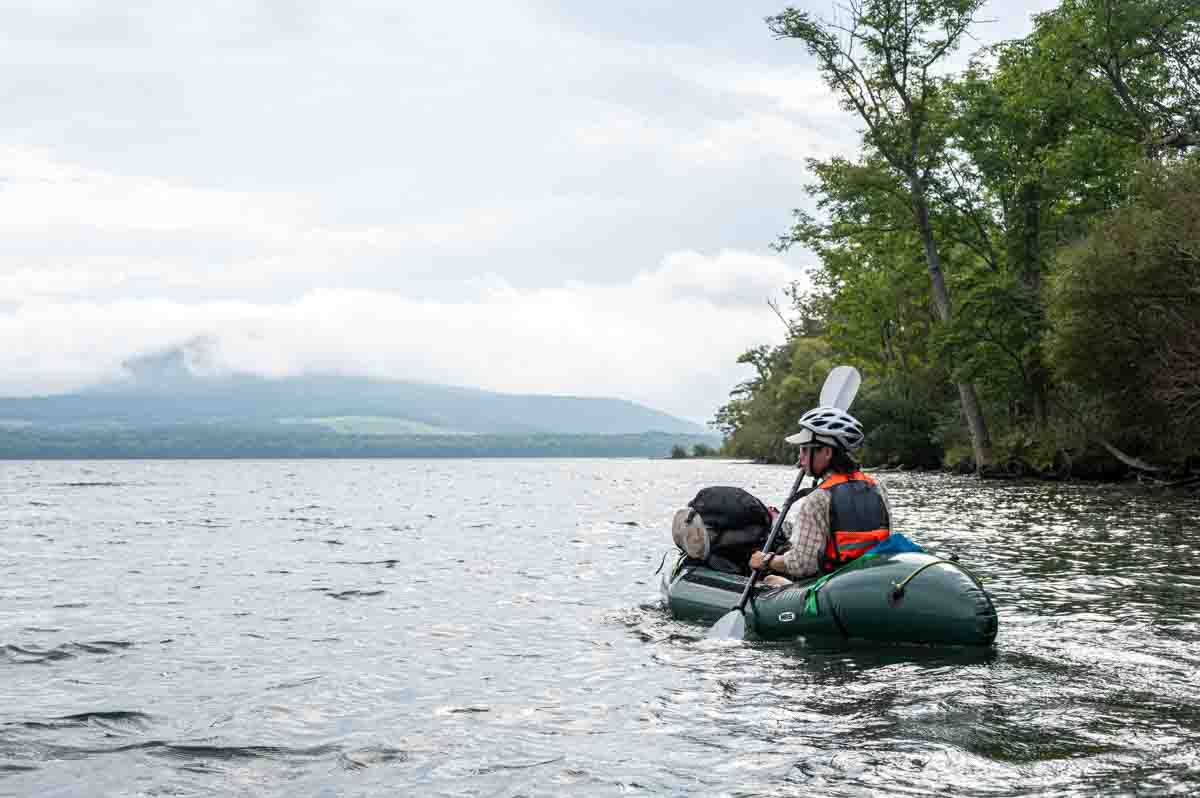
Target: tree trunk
[[1039, 385], [981, 442], [1037, 376]]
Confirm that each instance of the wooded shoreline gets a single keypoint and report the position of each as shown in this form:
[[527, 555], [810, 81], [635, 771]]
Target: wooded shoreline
[[1012, 260]]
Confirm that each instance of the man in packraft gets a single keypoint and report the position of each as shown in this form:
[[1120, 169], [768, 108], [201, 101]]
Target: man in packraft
[[844, 516]]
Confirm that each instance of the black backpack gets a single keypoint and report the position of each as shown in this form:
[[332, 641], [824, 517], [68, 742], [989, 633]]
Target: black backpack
[[738, 524], [724, 507]]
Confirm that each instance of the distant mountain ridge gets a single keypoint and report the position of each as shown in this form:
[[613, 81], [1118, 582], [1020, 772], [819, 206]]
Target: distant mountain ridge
[[166, 389]]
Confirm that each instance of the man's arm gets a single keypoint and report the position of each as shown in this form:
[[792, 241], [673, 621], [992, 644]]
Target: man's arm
[[810, 530]]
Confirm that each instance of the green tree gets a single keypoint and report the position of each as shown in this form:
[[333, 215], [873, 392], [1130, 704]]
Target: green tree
[[1147, 54], [1026, 174], [882, 64], [763, 410], [1125, 307]]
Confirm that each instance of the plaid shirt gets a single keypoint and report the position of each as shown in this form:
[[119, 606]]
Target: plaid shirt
[[810, 530]]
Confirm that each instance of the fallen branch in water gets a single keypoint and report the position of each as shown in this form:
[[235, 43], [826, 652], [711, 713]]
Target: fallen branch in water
[[1128, 459]]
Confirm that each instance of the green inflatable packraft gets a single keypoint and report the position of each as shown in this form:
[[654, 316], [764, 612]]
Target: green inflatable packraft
[[896, 597]]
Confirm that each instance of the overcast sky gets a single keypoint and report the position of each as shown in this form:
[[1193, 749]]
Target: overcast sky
[[553, 197]]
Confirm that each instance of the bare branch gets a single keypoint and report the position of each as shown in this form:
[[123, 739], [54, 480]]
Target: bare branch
[[774, 306]]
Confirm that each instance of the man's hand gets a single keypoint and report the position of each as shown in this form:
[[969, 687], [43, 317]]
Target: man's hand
[[758, 559]]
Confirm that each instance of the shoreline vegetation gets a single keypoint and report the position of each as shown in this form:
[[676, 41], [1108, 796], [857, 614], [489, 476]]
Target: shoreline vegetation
[[699, 450], [228, 441], [1013, 259]]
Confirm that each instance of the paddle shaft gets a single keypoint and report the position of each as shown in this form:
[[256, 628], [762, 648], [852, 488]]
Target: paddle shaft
[[838, 391], [775, 527]]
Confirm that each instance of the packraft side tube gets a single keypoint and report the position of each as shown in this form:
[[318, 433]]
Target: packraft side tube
[[903, 598]]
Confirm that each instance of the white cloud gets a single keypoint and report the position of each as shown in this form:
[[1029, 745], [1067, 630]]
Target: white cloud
[[20, 282], [728, 278], [42, 195], [669, 337], [787, 89], [760, 135], [67, 230]]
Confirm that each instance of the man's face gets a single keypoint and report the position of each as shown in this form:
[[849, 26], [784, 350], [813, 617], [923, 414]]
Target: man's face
[[815, 460]]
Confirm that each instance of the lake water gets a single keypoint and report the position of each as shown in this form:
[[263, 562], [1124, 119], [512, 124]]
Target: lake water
[[494, 627]]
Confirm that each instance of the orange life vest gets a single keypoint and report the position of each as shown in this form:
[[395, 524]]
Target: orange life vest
[[858, 518]]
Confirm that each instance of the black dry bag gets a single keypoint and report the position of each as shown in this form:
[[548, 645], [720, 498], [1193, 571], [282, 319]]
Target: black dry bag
[[738, 525]]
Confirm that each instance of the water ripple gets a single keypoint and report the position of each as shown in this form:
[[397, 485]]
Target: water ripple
[[514, 643]]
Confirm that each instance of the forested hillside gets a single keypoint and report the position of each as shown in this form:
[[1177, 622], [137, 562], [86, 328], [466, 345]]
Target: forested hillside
[[1013, 259], [161, 390]]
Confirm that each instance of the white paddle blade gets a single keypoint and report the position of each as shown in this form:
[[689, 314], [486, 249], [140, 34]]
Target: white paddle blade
[[731, 626], [840, 387]]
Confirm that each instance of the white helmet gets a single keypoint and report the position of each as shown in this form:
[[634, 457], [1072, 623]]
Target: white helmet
[[828, 426]]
